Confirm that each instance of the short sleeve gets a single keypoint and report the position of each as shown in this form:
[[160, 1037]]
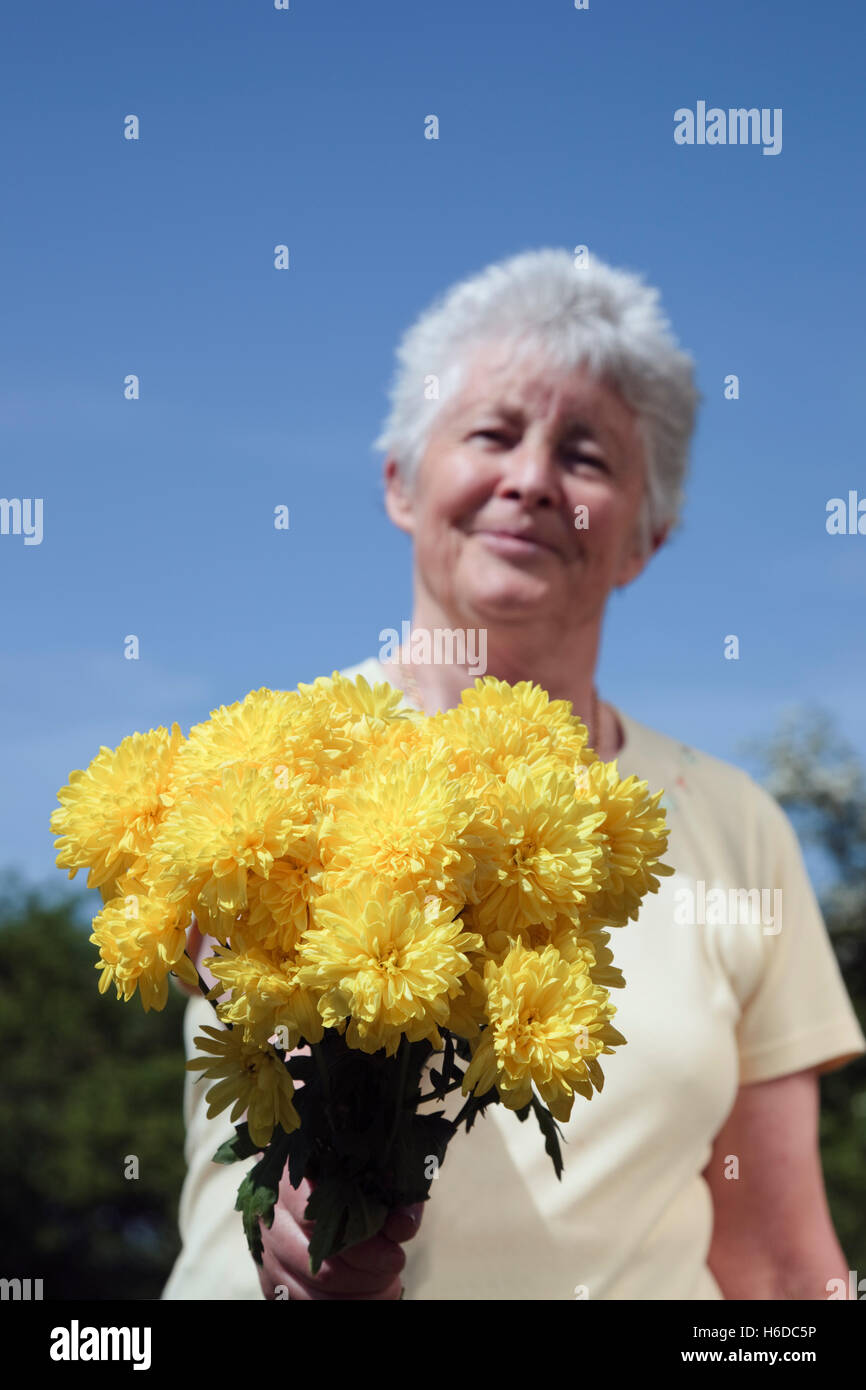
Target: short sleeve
[[798, 1014], [214, 1261]]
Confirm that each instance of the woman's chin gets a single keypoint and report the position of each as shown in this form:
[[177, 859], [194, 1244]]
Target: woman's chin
[[523, 598]]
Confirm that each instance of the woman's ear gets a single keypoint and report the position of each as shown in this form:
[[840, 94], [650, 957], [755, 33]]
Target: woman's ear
[[639, 559], [398, 497]]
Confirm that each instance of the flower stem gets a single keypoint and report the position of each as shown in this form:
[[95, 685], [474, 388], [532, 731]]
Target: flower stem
[[322, 1066], [401, 1087]]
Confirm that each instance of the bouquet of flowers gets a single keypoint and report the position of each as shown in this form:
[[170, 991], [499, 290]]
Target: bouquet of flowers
[[399, 901]]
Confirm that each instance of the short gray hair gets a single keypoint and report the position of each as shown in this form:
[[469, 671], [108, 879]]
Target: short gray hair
[[573, 314]]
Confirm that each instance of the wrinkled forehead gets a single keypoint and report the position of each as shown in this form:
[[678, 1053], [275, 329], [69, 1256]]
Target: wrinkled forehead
[[530, 386]]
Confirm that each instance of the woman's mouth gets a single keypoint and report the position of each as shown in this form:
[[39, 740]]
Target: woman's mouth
[[515, 546]]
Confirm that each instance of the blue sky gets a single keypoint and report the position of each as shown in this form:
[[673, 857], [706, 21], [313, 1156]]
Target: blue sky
[[260, 387]]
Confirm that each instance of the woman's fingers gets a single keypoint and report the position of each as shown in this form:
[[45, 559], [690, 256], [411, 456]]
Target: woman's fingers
[[370, 1269], [378, 1255], [402, 1224], [286, 1265]]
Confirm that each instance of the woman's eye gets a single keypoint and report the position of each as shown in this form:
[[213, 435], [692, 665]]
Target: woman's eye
[[573, 457], [587, 458]]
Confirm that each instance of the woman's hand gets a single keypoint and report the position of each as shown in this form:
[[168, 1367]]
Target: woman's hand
[[371, 1270]]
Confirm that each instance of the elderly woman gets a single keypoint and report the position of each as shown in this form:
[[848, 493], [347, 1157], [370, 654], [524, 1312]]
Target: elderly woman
[[536, 449]]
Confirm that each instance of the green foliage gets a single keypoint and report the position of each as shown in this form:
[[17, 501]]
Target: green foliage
[[257, 1194], [87, 1082], [240, 1146], [820, 782], [345, 1214], [361, 1142]]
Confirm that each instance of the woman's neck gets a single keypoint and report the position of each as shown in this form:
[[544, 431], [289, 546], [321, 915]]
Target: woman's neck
[[436, 670]]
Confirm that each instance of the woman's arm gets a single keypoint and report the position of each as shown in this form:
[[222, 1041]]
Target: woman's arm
[[773, 1236]]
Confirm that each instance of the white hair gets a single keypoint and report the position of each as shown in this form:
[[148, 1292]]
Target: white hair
[[572, 314]]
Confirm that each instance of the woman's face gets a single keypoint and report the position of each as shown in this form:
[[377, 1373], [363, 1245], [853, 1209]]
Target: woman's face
[[510, 464]]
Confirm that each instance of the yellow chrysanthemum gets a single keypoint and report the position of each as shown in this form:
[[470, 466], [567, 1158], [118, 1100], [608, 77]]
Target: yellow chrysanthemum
[[497, 727], [278, 907], [578, 943], [386, 960], [375, 871], [111, 811], [362, 713], [547, 1025], [548, 850], [265, 996], [212, 841], [466, 1012], [605, 909], [634, 836], [141, 939], [529, 702], [401, 820], [250, 1078], [575, 942], [411, 737], [273, 730]]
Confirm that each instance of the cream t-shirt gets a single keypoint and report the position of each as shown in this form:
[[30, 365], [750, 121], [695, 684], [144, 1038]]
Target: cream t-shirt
[[722, 989]]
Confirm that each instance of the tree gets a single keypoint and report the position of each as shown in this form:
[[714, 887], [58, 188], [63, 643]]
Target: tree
[[816, 776], [90, 1085]]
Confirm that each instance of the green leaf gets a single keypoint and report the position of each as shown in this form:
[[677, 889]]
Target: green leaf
[[327, 1208], [433, 1133], [344, 1214], [255, 1201], [552, 1133], [423, 1138], [257, 1194], [463, 1048], [450, 1070], [349, 1144], [302, 1068], [476, 1105], [239, 1147], [365, 1216], [301, 1140]]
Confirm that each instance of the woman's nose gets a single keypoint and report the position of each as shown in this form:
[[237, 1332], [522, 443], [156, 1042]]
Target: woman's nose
[[530, 475]]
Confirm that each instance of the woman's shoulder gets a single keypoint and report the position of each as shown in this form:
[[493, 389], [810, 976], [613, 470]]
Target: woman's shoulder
[[645, 745], [701, 785]]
